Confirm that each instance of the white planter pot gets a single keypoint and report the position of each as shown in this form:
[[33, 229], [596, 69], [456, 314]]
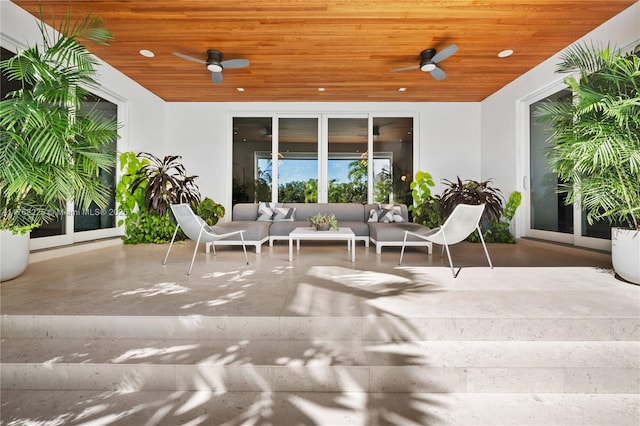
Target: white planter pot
[[14, 254], [625, 253]]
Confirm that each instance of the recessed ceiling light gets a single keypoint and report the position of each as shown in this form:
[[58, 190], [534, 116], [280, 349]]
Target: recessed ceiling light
[[321, 89], [147, 53], [240, 89], [402, 89], [505, 53]]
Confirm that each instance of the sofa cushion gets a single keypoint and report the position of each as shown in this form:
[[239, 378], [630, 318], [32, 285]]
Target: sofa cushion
[[343, 211], [254, 231], [245, 212], [379, 231]]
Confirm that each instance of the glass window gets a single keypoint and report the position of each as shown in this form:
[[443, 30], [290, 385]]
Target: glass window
[[96, 218], [334, 169], [252, 169], [298, 160], [347, 176], [392, 159], [548, 211]]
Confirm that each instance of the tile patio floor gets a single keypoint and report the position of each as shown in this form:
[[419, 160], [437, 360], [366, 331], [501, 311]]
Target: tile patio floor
[[519, 344]]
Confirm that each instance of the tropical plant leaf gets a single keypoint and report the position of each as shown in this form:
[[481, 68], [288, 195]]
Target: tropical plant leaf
[[51, 150], [472, 192], [595, 144]]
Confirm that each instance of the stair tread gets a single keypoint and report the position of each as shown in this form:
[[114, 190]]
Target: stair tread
[[316, 353], [323, 409], [329, 328]]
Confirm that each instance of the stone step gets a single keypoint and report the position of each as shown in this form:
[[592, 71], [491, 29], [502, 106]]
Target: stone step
[[169, 408], [488, 354], [377, 328], [328, 366]]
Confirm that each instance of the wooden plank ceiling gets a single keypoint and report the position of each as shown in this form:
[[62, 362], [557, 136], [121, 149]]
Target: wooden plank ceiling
[[346, 47]]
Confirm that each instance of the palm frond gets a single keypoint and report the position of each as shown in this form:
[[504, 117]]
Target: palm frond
[[51, 150], [596, 137]]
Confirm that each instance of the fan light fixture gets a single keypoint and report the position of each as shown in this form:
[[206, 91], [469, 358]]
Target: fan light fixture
[[214, 67], [428, 67]]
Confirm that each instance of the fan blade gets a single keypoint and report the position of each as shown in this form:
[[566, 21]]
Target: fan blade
[[217, 77], [189, 58], [438, 74], [415, 67], [235, 63], [444, 54]]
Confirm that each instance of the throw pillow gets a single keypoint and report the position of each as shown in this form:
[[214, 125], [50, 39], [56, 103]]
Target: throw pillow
[[284, 214], [386, 213], [266, 211], [374, 214]]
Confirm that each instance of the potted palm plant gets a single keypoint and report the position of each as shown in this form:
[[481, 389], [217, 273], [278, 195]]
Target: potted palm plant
[[51, 150], [596, 151]]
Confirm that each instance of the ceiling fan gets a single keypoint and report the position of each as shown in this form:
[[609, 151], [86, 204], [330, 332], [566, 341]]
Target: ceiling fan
[[429, 60], [215, 64]]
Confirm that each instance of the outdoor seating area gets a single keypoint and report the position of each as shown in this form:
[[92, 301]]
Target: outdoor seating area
[[381, 225], [549, 336]]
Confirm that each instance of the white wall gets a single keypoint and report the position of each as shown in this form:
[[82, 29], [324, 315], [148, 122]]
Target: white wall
[[141, 112], [504, 137], [448, 135]]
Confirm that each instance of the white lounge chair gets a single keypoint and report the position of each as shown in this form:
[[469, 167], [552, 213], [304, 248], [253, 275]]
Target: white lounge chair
[[459, 225], [195, 228]]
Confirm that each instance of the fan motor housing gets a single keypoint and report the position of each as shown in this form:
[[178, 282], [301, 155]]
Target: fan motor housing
[[426, 63], [214, 59]]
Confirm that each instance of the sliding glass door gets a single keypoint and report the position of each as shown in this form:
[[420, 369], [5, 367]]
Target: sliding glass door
[[547, 215]]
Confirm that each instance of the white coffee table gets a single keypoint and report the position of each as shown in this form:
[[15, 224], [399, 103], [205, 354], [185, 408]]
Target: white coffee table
[[308, 233]]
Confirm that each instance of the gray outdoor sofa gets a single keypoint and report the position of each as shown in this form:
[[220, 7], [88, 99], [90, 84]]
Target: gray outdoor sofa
[[355, 216]]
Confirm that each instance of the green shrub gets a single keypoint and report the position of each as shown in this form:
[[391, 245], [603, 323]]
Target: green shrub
[[499, 230], [426, 209], [140, 225], [210, 211]]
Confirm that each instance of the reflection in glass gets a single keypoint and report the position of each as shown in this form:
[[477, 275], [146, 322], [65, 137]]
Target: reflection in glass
[[298, 160], [96, 218], [251, 144], [348, 160], [393, 159], [548, 210]]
